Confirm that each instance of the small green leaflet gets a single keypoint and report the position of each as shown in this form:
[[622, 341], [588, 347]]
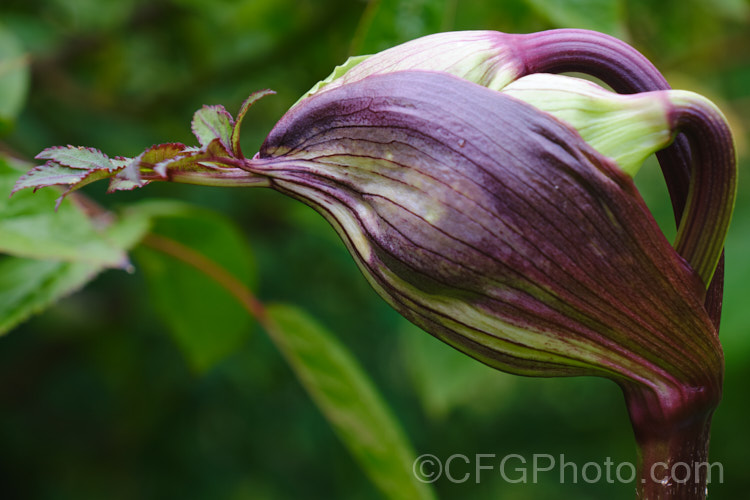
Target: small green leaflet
[[51, 174], [213, 122], [218, 135], [254, 97], [77, 158]]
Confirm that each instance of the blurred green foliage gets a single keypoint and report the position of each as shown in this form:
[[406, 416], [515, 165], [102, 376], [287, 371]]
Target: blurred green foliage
[[193, 317], [97, 401]]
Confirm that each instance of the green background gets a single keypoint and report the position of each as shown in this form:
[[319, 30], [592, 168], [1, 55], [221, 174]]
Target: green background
[[98, 400]]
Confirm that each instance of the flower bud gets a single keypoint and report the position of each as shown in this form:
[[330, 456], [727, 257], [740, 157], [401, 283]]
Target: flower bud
[[496, 227]]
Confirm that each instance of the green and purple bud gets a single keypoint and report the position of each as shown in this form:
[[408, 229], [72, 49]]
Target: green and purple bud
[[494, 59], [496, 227]]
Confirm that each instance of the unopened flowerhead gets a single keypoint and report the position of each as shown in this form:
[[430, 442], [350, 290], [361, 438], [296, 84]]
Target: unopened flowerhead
[[495, 226]]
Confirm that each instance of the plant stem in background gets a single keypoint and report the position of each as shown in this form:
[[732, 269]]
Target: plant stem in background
[[214, 271]]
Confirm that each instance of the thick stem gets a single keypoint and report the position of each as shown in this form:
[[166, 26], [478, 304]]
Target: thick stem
[[672, 432], [675, 466]]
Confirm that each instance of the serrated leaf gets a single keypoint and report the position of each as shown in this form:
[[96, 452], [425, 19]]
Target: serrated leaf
[[53, 174], [50, 174], [350, 402], [161, 152], [252, 99], [213, 122], [77, 157], [205, 321]]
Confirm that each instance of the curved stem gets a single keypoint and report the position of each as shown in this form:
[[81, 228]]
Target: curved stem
[[710, 201], [223, 278], [621, 67], [212, 270], [627, 71]]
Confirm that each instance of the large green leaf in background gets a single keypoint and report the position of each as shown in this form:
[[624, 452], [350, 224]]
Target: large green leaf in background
[[28, 286], [204, 318], [52, 254], [30, 227], [14, 77], [350, 402]]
